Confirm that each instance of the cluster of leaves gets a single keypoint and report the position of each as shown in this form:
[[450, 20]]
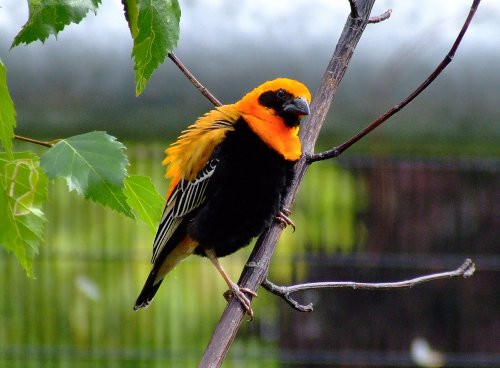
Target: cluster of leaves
[[93, 164]]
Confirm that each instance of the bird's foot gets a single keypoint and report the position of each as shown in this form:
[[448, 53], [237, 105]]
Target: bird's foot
[[239, 293], [283, 218]]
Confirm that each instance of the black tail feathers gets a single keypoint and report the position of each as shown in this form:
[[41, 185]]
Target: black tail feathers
[[148, 291]]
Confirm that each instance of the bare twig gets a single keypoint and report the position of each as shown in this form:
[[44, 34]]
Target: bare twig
[[36, 141], [284, 293], [336, 151], [465, 270], [203, 90], [381, 17]]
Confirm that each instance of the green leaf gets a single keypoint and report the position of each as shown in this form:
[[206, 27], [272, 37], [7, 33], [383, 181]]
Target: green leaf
[[143, 197], [131, 10], [7, 113], [23, 190], [48, 17], [94, 164], [157, 35]]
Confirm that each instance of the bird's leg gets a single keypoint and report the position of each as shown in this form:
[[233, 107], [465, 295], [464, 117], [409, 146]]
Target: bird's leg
[[283, 218], [234, 289]]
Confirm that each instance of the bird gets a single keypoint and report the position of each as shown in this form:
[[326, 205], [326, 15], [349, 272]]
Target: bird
[[229, 173]]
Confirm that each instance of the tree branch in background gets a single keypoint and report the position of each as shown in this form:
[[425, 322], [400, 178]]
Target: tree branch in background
[[465, 270], [36, 141], [336, 151], [203, 90], [381, 17]]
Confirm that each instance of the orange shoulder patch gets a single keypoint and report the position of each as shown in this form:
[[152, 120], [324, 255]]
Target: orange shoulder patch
[[192, 150]]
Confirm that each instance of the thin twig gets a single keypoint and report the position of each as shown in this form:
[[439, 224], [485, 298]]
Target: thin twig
[[381, 17], [336, 151], [283, 293], [465, 270], [36, 141], [203, 90]]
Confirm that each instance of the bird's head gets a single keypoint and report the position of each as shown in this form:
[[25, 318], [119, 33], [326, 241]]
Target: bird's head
[[278, 101], [273, 111]]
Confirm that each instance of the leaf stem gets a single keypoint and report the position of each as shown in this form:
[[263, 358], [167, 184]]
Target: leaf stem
[[36, 141]]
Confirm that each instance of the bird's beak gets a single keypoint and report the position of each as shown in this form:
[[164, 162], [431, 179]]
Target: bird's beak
[[297, 106]]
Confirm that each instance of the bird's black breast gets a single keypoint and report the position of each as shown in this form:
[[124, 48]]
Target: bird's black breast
[[244, 193]]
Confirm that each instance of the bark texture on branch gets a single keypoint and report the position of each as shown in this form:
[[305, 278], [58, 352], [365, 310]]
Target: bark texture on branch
[[257, 266]]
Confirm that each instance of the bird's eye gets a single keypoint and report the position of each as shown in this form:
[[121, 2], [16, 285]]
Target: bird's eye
[[280, 93]]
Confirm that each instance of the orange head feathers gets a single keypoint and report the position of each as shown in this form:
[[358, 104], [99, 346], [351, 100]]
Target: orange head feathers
[[250, 104], [273, 111]]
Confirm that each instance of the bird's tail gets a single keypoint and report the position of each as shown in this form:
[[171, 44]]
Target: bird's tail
[[148, 290], [170, 256]]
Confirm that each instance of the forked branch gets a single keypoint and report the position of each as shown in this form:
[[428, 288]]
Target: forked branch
[[465, 270], [336, 151]]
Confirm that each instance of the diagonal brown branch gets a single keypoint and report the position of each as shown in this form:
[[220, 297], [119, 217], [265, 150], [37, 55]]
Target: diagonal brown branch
[[203, 90], [336, 151], [256, 269], [465, 270]]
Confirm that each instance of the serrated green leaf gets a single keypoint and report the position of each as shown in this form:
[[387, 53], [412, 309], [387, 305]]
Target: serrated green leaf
[[23, 190], [7, 113], [145, 200], [131, 10], [157, 35], [48, 17], [94, 164]]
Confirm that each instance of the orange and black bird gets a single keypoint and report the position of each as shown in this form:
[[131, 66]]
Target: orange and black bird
[[229, 172]]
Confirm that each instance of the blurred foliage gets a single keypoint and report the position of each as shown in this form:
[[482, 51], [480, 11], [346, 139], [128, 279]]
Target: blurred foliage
[[23, 190], [142, 196]]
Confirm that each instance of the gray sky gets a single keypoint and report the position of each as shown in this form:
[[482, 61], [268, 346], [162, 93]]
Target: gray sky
[[219, 22]]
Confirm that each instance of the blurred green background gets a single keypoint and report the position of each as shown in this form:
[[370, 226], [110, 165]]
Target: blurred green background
[[417, 196]]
